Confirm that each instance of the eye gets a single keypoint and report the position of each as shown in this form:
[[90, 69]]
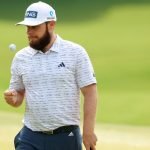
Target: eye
[[34, 27]]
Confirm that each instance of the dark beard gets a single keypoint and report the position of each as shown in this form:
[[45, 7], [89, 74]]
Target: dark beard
[[42, 42]]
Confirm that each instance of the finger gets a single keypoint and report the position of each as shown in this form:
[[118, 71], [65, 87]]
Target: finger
[[10, 92], [95, 142], [87, 147], [92, 148], [6, 93], [14, 93], [8, 97], [11, 100]]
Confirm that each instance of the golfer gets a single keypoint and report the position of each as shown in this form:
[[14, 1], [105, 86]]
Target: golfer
[[49, 75]]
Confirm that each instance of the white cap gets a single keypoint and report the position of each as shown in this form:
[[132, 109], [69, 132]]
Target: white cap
[[38, 13]]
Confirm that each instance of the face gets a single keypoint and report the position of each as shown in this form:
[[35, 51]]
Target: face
[[38, 36]]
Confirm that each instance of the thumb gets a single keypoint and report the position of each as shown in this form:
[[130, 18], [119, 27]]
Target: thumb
[[13, 92]]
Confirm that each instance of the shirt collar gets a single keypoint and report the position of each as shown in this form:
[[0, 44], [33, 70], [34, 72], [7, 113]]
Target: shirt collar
[[54, 47]]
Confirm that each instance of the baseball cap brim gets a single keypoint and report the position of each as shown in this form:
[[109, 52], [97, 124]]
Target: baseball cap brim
[[30, 23]]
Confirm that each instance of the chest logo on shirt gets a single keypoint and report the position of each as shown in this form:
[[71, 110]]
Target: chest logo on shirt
[[61, 64]]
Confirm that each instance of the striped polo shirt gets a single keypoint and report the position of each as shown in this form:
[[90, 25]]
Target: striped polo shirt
[[52, 83]]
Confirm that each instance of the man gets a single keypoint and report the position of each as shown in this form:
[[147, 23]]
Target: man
[[50, 73]]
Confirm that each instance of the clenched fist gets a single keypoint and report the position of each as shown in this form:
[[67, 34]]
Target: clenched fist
[[13, 97]]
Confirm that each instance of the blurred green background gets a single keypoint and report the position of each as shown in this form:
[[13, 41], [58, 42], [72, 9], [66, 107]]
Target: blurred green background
[[116, 34]]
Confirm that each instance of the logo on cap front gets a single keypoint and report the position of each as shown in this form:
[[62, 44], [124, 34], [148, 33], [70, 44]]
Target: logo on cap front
[[31, 14]]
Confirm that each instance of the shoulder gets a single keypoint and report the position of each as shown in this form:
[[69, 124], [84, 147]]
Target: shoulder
[[24, 52], [23, 55], [71, 46]]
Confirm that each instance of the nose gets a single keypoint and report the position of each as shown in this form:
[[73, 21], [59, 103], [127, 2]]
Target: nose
[[29, 30]]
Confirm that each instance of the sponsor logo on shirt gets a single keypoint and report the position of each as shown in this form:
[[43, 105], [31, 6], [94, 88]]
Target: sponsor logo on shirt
[[61, 64]]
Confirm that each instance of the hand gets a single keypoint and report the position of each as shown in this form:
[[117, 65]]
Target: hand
[[11, 97], [89, 141]]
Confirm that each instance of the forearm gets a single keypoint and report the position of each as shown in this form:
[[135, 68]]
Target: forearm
[[89, 110], [90, 102]]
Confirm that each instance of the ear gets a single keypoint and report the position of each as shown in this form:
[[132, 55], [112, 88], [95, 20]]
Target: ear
[[51, 25]]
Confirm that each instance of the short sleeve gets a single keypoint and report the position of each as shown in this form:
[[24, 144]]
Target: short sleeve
[[16, 78], [84, 70]]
